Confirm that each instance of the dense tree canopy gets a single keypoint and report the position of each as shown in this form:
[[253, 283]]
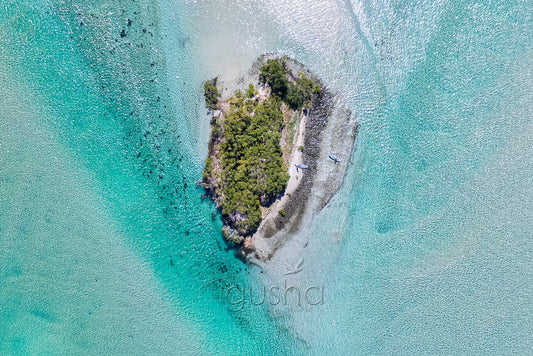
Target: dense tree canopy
[[251, 171], [274, 73], [295, 94], [211, 95]]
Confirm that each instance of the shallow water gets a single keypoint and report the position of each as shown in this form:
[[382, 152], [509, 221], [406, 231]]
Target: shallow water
[[107, 247]]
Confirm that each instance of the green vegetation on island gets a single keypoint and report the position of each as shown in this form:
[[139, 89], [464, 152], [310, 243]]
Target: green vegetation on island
[[211, 94], [297, 93], [245, 168], [252, 162]]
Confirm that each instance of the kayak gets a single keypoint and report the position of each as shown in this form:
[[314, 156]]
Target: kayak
[[334, 158], [302, 166]]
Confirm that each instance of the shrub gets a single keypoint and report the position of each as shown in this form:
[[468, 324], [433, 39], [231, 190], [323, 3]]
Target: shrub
[[295, 94], [274, 73], [295, 97], [208, 170], [282, 212], [211, 95], [250, 92]]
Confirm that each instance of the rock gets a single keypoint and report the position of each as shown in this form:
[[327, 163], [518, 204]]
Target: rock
[[248, 242]]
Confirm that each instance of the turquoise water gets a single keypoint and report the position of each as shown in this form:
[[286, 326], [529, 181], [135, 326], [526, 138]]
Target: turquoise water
[[107, 247]]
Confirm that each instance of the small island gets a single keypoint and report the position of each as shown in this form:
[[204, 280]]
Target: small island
[[257, 139]]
